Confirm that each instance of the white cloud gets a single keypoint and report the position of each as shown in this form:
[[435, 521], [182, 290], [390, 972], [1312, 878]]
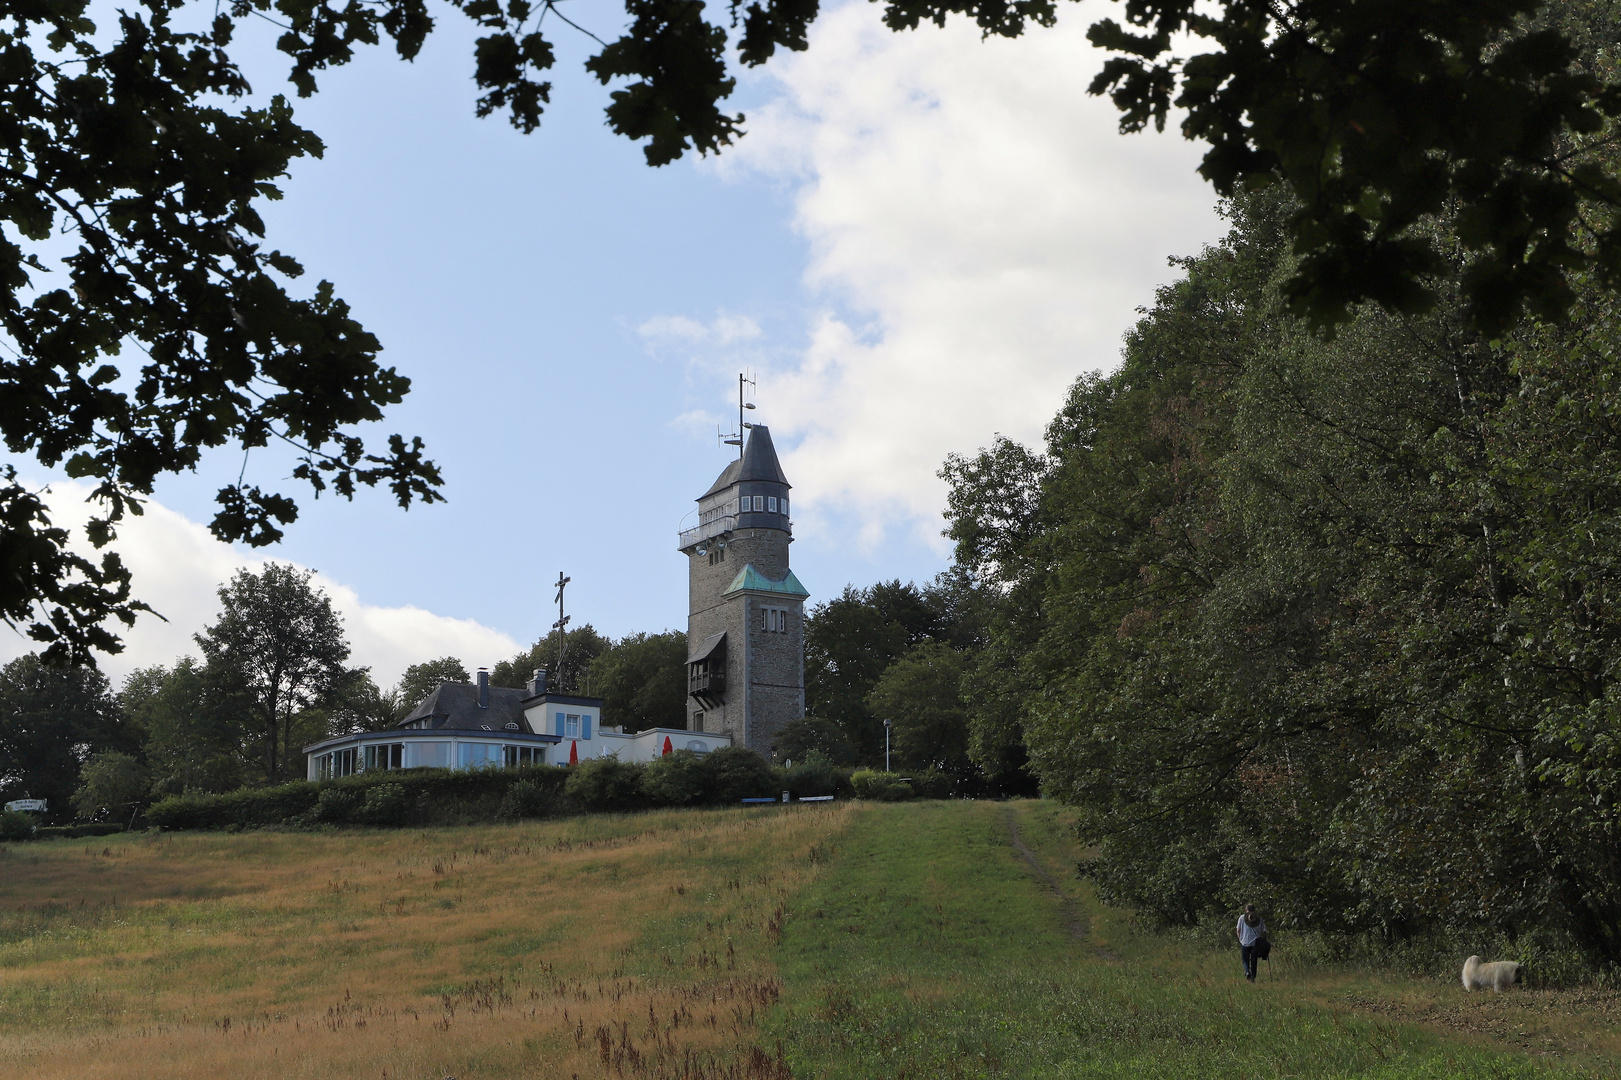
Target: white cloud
[[722, 330], [980, 235], [178, 566]]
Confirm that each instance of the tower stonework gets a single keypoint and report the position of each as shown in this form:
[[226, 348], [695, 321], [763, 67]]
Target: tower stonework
[[746, 610]]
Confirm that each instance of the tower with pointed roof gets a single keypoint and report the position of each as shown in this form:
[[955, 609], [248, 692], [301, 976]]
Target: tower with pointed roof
[[746, 610]]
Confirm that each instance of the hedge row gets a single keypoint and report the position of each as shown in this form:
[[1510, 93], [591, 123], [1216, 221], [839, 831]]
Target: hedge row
[[446, 797], [16, 825], [403, 797]]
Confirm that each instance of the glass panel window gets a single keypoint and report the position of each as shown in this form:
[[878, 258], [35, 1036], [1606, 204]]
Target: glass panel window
[[434, 755], [759, 503], [785, 506], [571, 726], [477, 755], [771, 503]]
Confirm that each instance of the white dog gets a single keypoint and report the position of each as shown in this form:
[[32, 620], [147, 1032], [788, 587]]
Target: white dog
[[1497, 976]]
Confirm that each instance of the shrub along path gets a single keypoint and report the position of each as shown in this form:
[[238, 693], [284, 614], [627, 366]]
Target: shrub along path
[[934, 946]]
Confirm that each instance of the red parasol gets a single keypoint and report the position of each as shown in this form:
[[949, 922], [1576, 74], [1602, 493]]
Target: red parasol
[[573, 753], [667, 746]]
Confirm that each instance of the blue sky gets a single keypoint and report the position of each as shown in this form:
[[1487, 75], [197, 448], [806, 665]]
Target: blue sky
[[922, 241]]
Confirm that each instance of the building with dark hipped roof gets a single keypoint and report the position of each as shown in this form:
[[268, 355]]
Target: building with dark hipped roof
[[745, 615], [479, 726]]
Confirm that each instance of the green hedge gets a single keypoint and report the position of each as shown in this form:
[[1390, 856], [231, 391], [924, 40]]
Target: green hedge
[[409, 797], [396, 797], [74, 832], [891, 787]]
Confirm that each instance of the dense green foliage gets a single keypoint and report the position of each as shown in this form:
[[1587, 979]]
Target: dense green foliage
[[283, 643], [423, 679], [642, 677], [642, 681], [111, 785], [15, 825], [584, 645], [51, 720], [853, 639], [921, 695], [192, 720], [807, 735], [1332, 626]]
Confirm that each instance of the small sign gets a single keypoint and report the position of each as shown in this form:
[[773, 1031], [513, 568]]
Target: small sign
[[27, 806]]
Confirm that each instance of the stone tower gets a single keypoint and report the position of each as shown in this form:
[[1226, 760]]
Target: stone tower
[[745, 621]]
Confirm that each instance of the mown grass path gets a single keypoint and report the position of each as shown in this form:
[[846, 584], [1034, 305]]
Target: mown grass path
[[950, 940]]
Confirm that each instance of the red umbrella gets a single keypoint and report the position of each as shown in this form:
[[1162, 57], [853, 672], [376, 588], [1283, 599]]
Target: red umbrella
[[667, 746], [573, 753]]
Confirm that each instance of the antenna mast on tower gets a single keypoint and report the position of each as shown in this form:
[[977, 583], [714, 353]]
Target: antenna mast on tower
[[737, 440]]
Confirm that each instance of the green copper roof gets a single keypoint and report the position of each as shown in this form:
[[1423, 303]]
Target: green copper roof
[[750, 578]]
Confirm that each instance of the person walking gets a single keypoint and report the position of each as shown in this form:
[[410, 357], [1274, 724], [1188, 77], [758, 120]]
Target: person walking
[[1251, 936]]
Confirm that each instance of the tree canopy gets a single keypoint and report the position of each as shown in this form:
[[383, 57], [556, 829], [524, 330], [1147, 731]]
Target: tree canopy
[[582, 646], [281, 639], [1320, 622], [52, 720], [422, 679], [642, 680]]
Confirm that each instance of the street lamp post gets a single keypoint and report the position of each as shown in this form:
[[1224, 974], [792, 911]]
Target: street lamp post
[[886, 745]]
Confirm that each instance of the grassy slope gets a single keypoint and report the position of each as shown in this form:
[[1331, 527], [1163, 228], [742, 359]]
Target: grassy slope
[[931, 948], [638, 943], [905, 941]]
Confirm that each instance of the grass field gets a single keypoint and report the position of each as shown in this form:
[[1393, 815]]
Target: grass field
[[900, 940]]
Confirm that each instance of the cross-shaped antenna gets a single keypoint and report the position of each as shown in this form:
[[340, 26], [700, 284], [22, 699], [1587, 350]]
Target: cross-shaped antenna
[[561, 626]]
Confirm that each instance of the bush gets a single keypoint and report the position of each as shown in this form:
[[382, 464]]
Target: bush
[[679, 778], [882, 786], [387, 804], [934, 784], [737, 773], [15, 825], [816, 775], [336, 806], [606, 783], [527, 799]]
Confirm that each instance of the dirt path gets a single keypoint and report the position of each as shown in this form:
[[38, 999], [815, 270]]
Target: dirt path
[[1074, 921]]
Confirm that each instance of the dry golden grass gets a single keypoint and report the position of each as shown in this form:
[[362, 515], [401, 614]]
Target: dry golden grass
[[626, 946]]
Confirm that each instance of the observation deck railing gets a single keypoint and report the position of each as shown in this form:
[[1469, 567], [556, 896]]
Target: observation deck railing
[[714, 527]]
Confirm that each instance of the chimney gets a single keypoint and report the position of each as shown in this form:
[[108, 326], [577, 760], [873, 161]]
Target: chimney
[[537, 685], [484, 688]]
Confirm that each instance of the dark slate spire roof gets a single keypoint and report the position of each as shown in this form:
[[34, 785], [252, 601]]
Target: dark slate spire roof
[[759, 462]]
